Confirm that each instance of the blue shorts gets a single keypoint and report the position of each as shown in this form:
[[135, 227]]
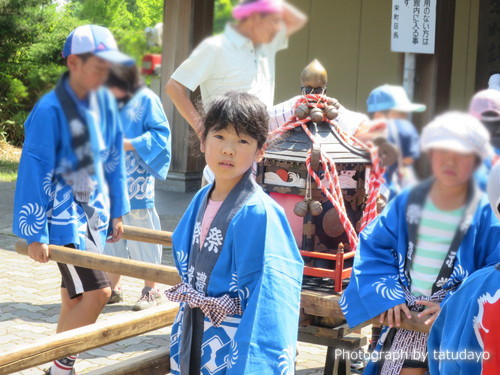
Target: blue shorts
[[145, 252]]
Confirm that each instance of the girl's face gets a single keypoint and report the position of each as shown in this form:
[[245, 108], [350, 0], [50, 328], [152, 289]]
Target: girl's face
[[229, 155], [452, 168]]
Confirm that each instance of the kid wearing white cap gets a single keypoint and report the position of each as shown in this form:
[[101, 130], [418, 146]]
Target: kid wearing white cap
[[71, 185], [468, 322], [424, 244]]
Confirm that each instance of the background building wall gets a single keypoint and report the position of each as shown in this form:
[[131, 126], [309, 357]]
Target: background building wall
[[351, 38]]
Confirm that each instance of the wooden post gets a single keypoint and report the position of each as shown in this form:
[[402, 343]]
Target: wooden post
[[488, 44], [433, 72], [85, 338], [186, 23]]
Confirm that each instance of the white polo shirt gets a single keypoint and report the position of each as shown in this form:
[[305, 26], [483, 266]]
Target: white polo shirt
[[230, 61]]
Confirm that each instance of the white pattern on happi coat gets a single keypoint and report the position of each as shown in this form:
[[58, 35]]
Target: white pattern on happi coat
[[214, 240]]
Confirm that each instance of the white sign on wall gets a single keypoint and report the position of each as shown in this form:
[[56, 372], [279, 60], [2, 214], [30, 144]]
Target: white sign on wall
[[413, 26]]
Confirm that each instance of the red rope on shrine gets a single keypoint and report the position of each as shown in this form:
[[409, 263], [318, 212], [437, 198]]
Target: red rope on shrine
[[333, 191]]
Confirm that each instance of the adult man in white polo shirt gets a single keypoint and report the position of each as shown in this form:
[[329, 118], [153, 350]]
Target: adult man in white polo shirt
[[242, 58]]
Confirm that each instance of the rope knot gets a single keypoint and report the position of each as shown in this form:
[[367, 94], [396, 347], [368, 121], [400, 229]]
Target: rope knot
[[215, 308]]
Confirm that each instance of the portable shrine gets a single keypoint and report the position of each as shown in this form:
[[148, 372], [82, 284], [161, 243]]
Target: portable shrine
[[319, 174]]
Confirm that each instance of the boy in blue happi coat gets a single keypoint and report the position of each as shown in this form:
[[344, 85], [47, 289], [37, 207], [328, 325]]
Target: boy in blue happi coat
[[240, 267], [147, 156], [391, 103], [71, 186], [425, 242]]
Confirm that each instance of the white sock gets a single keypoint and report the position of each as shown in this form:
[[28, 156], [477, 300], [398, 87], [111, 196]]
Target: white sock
[[63, 366]]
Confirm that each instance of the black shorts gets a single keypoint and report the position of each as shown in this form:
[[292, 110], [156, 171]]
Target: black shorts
[[78, 279], [410, 363]]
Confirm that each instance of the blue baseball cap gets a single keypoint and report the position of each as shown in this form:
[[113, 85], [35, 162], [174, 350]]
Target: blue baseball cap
[[387, 97], [97, 40]]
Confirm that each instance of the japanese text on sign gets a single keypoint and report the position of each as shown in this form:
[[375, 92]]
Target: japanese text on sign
[[413, 26]]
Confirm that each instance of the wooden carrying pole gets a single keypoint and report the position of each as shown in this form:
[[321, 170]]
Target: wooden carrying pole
[[160, 237], [325, 304], [86, 338], [413, 324], [140, 270]]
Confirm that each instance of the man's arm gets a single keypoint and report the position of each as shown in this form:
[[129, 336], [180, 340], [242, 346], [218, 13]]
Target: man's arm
[[293, 18], [177, 93]]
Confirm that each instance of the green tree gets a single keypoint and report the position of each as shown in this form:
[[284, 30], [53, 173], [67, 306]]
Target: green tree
[[31, 35], [127, 20], [222, 14]]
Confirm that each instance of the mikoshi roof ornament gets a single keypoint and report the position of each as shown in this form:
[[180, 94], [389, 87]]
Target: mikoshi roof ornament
[[331, 178]]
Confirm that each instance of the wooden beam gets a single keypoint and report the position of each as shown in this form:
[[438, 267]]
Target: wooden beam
[[321, 304], [350, 342], [85, 338], [140, 270], [326, 304], [160, 237], [413, 324], [153, 363]]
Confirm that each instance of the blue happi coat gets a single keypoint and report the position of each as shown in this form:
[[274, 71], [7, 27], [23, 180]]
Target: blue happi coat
[[259, 262], [45, 209], [464, 338], [483, 171], [379, 273], [146, 126]]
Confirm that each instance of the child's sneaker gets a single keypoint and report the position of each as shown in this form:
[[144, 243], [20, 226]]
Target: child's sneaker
[[148, 299], [115, 297]]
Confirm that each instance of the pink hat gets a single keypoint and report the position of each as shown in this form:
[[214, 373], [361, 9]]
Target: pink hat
[[485, 105], [247, 7]]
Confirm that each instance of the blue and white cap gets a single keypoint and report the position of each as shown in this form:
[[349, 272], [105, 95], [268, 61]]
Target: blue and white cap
[[387, 97], [97, 40]]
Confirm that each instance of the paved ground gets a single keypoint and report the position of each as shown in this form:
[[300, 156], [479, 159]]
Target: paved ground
[[29, 304]]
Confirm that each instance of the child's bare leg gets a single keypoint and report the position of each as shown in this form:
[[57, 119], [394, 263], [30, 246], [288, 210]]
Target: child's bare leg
[[114, 280], [412, 371], [85, 311], [67, 305], [150, 284]]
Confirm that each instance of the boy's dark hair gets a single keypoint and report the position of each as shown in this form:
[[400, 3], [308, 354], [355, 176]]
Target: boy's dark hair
[[82, 56], [245, 112], [124, 77]]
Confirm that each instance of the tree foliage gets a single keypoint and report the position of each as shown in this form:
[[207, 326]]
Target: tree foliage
[[222, 14], [127, 20], [32, 33]]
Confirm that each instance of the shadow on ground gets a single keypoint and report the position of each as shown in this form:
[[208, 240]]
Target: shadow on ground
[[29, 312]]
